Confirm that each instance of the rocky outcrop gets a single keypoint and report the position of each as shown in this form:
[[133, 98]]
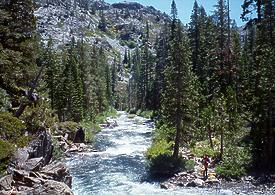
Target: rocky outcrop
[[57, 172], [52, 179], [30, 172], [41, 147], [127, 5]]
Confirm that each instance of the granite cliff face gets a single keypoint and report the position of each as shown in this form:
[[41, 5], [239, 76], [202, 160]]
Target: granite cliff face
[[124, 23]]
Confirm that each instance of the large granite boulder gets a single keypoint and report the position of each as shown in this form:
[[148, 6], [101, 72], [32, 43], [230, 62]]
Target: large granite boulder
[[42, 147], [58, 172], [33, 164]]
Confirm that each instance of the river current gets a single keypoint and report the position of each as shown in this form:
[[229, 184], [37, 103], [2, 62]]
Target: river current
[[119, 165]]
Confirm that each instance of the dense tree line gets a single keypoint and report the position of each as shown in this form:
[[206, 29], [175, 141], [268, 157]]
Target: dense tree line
[[215, 84], [79, 80]]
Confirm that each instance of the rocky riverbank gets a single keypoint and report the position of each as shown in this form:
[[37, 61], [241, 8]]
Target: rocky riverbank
[[246, 185], [33, 170]]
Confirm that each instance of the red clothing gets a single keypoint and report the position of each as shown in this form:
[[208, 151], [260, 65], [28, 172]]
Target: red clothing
[[206, 161]]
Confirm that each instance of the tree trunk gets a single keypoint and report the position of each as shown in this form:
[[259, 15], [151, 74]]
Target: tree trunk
[[177, 139], [222, 139], [270, 133], [210, 136], [23, 105]]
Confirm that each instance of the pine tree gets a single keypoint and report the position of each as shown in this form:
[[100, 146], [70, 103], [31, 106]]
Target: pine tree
[[194, 32], [52, 72], [161, 59], [72, 86], [17, 43], [136, 74], [260, 94], [113, 82], [179, 95]]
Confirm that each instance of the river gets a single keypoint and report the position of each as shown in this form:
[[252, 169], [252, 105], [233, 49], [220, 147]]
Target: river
[[119, 165]]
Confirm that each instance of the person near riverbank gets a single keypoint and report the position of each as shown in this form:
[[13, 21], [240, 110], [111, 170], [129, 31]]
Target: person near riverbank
[[205, 162]]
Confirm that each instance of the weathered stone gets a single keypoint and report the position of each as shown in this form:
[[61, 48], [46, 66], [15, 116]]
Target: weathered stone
[[73, 148], [79, 136], [213, 182], [53, 188], [6, 183], [63, 145], [20, 157], [18, 175], [58, 172], [195, 183], [31, 181], [42, 147], [164, 186], [167, 185], [33, 164]]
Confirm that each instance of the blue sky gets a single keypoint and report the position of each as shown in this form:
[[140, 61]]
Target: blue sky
[[185, 7]]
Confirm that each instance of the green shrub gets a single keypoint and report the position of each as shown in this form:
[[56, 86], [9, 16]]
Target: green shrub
[[5, 103], [164, 132], [68, 126], [203, 148], [90, 130], [11, 136], [160, 160], [132, 111], [11, 129], [131, 44], [57, 152], [101, 118], [235, 162], [189, 165], [6, 149], [39, 116]]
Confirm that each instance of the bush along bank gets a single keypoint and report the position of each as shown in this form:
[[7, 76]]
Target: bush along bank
[[232, 172]]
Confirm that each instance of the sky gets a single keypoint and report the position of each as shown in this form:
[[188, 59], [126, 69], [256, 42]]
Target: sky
[[185, 7]]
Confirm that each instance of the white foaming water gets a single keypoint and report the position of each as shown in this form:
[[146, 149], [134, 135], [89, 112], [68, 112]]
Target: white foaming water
[[119, 166]]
